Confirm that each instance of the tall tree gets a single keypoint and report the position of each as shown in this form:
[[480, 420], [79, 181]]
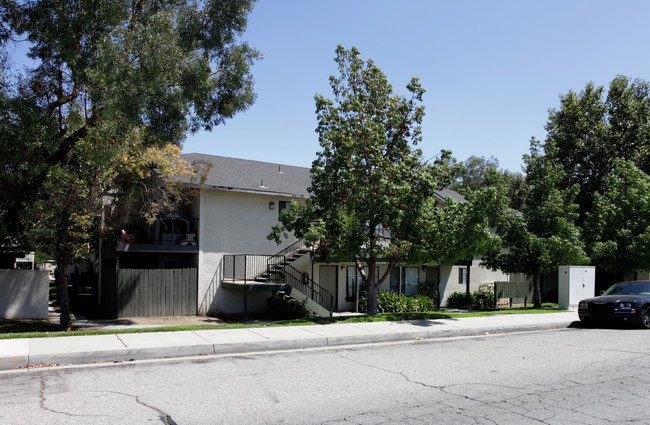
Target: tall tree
[[475, 173], [618, 227], [372, 197], [590, 130], [542, 235], [112, 83]]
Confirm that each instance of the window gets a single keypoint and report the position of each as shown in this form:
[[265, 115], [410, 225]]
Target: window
[[462, 275], [353, 278], [282, 206], [351, 283]]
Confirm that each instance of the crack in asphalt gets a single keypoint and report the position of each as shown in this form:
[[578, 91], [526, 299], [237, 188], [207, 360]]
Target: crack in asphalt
[[164, 417], [613, 350], [446, 390], [42, 401]]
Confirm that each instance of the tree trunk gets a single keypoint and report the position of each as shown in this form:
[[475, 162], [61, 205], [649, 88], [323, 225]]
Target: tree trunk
[[372, 288], [537, 291], [372, 299], [65, 322]]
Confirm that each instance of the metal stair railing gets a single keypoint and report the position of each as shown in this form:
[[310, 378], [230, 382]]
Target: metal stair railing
[[277, 262], [302, 283], [276, 269], [244, 267], [293, 247]]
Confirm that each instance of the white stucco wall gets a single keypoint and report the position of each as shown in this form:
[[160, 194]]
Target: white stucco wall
[[25, 294], [233, 223], [478, 276], [341, 302]]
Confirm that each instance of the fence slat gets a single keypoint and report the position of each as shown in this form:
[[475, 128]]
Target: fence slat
[[156, 292], [513, 290]]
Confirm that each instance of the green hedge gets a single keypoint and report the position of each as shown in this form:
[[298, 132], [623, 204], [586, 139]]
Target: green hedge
[[460, 300], [390, 302]]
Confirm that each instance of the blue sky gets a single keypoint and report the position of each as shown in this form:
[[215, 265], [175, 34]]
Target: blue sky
[[492, 69]]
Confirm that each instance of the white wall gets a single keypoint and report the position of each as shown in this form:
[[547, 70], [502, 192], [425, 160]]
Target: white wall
[[25, 294], [478, 276], [233, 223]]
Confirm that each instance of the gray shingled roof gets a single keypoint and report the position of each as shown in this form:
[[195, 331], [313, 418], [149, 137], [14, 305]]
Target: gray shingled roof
[[243, 175], [448, 193]]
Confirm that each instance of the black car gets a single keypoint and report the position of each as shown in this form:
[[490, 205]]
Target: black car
[[628, 301]]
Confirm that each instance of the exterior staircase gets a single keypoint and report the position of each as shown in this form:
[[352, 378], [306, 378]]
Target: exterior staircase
[[280, 274], [276, 271], [283, 268]]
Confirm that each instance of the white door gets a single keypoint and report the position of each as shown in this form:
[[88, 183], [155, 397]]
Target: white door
[[411, 275]]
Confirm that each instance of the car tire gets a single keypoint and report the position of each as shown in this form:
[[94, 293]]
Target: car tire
[[586, 323], [644, 318]]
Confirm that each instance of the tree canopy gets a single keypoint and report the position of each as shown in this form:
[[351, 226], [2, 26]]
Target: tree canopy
[[372, 196], [541, 235], [475, 173], [593, 128], [109, 86], [618, 226]]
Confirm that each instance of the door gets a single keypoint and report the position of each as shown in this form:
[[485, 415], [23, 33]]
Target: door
[[411, 275], [433, 283], [327, 278]]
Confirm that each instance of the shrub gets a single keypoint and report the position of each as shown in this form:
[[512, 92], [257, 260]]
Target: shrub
[[390, 302], [431, 290], [460, 300], [288, 309]]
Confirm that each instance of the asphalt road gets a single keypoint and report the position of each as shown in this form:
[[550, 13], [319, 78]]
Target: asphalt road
[[573, 376]]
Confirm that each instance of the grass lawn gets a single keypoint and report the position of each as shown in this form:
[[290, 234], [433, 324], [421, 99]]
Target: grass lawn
[[10, 329]]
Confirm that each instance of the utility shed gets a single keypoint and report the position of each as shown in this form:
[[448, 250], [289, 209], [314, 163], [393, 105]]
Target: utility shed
[[574, 284]]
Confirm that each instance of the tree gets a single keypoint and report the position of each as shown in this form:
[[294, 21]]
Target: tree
[[372, 196], [112, 85], [542, 235], [618, 227], [590, 131], [475, 173]]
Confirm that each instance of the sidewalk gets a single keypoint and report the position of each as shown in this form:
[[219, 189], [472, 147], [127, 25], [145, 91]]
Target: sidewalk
[[20, 353]]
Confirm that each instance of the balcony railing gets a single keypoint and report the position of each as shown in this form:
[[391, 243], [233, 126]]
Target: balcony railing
[[245, 268], [164, 231]]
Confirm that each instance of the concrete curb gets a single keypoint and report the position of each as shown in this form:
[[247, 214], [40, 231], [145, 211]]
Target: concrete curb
[[22, 353]]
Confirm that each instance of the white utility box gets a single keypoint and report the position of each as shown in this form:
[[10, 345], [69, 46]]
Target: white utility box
[[575, 283]]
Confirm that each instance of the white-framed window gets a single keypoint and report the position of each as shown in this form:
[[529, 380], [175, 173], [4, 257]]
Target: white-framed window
[[282, 206], [353, 278], [462, 275]]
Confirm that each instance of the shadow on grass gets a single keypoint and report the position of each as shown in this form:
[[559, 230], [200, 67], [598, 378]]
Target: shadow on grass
[[23, 326]]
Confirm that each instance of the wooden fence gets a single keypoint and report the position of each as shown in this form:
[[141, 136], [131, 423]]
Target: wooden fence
[[513, 290], [156, 292]]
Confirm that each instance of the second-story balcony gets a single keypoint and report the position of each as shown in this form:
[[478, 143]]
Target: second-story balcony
[[171, 233]]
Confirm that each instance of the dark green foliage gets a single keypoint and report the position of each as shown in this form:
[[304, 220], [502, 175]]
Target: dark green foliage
[[430, 290], [541, 235], [109, 84], [618, 226], [474, 302], [390, 302], [475, 173], [593, 128], [288, 309], [372, 196]]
